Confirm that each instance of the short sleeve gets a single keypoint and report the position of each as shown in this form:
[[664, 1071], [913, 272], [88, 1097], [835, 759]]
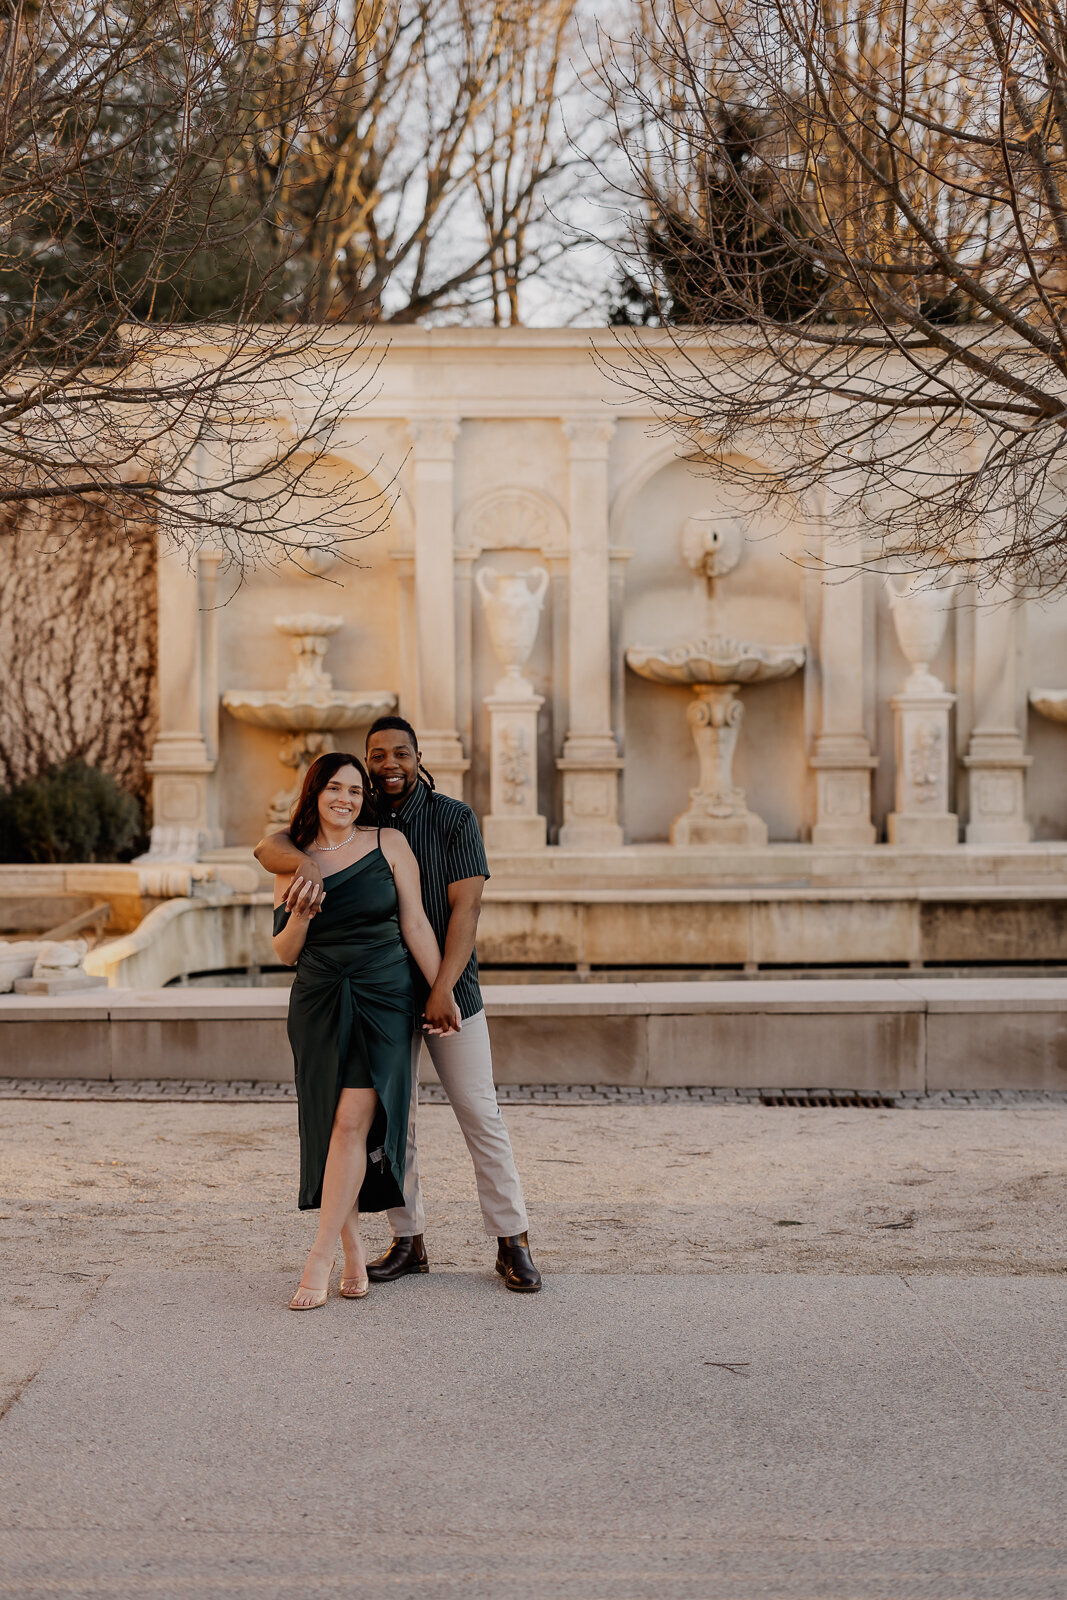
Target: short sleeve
[[281, 918], [465, 852]]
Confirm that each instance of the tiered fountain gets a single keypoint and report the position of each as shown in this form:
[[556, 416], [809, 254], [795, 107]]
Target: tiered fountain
[[715, 669], [309, 709]]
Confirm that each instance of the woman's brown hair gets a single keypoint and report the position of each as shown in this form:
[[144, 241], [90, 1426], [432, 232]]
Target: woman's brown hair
[[305, 815]]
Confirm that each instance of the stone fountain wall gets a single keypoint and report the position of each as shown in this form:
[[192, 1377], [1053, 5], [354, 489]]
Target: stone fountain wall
[[512, 451]]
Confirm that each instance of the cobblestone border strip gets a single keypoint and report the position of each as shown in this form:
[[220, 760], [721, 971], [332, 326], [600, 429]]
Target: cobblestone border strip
[[197, 1091]]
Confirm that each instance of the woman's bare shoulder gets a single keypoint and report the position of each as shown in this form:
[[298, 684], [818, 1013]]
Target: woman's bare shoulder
[[394, 846]]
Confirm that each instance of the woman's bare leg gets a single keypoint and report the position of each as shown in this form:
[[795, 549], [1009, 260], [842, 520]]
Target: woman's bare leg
[[352, 1245], [346, 1165]]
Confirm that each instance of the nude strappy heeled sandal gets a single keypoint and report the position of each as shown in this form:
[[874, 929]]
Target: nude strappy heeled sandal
[[310, 1305]]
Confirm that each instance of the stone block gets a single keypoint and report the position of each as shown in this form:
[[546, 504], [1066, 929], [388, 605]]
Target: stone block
[[693, 831], [515, 833], [689, 933], [569, 1049], [39, 911], [806, 1050], [1003, 1049], [58, 985], [56, 1047], [917, 832], [994, 931], [834, 932], [524, 933], [210, 1048]]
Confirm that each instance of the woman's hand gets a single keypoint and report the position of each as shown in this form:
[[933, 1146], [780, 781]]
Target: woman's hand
[[301, 901]]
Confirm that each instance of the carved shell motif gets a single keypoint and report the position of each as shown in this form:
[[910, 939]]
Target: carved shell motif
[[510, 521]]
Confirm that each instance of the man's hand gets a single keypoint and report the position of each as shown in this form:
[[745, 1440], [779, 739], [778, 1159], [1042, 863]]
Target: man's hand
[[441, 1012], [305, 895]]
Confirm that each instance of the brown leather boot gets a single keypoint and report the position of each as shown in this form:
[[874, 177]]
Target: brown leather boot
[[407, 1253], [515, 1264]]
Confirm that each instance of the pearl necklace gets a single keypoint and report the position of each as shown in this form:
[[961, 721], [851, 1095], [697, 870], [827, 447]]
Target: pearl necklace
[[340, 846]]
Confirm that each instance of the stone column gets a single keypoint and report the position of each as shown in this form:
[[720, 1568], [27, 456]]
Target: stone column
[[435, 617], [617, 596], [995, 761], [180, 763], [464, 587], [842, 761], [590, 762], [559, 567], [209, 562], [407, 671]]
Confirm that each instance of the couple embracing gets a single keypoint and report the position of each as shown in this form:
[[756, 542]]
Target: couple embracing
[[378, 887]]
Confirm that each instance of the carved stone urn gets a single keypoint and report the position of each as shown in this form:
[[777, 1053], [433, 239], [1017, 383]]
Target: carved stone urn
[[920, 613], [513, 602], [921, 819]]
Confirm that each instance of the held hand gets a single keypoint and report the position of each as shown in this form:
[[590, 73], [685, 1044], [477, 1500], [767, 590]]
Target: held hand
[[304, 898], [441, 1013], [312, 872]]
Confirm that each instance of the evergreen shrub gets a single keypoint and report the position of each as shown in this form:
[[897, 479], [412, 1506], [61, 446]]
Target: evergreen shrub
[[70, 812]]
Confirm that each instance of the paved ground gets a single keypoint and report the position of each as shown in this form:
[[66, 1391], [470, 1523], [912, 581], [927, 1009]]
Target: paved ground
[[780, 1353]]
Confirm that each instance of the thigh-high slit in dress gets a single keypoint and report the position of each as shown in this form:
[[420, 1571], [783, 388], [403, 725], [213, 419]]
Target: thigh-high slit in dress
[[351, 1018]]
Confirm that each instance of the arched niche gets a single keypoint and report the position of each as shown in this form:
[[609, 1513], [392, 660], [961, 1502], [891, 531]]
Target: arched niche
[[512, 519], [761, 600], [372, 650], [511, 530]]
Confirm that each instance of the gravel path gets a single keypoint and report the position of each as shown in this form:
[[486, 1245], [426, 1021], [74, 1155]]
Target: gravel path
[[678, 1188]]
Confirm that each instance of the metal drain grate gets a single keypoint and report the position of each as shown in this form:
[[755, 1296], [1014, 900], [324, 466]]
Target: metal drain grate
[[848, 1099]]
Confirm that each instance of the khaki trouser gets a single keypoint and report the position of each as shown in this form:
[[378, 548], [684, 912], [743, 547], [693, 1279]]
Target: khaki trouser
[[464, 1064]]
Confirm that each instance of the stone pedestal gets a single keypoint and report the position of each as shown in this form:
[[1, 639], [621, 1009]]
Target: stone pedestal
[[717, 813], [996, 765], [513, 822], [442, 754], [180, 769], [843, 765], [922, 819], [590, 766]]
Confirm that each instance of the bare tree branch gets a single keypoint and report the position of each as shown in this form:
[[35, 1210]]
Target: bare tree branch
[[865, 201], [148, 300]]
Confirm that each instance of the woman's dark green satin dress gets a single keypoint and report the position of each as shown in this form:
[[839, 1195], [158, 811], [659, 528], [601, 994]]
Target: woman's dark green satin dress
[[351, 1023]]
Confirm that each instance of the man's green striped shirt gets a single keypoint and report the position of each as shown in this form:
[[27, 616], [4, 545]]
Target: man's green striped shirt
[[446, 842]]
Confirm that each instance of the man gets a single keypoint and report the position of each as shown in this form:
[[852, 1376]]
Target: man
[[443, 834]]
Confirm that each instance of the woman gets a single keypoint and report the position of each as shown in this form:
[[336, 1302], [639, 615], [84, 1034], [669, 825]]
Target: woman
[[351, 1012]]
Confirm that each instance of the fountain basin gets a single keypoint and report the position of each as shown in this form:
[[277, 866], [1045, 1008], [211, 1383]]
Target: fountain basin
[[715, 668], [1051, 703], [265, 708], [716, 659], [309, 708]]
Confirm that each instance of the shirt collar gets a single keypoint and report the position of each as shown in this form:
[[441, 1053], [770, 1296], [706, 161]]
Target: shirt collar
[[412, 805]]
